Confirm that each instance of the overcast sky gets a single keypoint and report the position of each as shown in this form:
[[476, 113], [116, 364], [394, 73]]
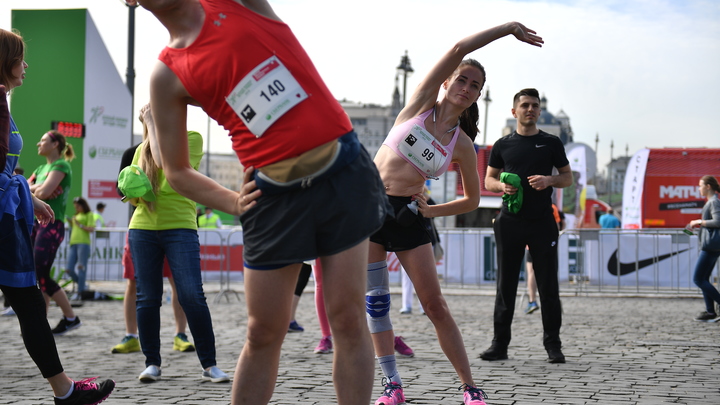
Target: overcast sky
[[642, 73]]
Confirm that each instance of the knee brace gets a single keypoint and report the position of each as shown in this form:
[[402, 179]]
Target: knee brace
[[377, 298]]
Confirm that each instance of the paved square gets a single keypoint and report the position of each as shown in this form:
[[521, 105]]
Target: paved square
[[619, 351]]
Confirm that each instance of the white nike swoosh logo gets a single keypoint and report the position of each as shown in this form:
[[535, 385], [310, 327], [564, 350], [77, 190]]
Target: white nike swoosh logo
[[540, 146]]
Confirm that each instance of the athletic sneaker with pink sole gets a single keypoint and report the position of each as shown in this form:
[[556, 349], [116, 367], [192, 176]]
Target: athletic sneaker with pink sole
[[392, 394], [88, 392], [325, 345], [473, 395]]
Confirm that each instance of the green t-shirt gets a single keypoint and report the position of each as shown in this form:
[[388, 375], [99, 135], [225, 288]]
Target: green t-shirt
[[80, 236], [171, 210], [59, 203], [99, 220]]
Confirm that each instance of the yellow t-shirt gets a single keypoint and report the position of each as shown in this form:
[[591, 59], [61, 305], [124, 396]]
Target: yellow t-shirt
[[80, 236], [171, 210]]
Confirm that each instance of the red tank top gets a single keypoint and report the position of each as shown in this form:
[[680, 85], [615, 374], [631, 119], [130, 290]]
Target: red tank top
[[235, 41]]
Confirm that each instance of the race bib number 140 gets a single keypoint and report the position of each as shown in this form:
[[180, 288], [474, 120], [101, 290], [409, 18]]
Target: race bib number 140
[[264, 95]]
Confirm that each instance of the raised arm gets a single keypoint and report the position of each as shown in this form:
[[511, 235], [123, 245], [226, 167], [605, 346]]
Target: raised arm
[[168, 102], [426, 93], [147, 119]]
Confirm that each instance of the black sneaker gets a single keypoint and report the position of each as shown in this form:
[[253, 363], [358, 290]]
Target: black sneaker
[[555, 356], [494, 353], [705, 316], [65, 326], [87, 392]]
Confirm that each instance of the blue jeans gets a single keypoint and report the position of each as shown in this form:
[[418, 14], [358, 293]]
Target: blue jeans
[[703, 269], [182, 249], [79, 255]]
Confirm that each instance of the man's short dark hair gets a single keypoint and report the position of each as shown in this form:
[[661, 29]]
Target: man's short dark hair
[[526, 92]]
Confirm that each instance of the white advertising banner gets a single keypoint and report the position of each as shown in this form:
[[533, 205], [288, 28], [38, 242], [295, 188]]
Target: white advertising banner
[[573, 201], [633, 190], [107, 113], [632, 259]]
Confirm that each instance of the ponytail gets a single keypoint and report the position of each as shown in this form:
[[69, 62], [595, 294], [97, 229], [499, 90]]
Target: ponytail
[[66, 150], [148, 165], [69, 153], [469, 120], [712, 181]]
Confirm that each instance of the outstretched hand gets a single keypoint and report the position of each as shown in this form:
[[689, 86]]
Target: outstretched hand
[[522, 33], [145, 115]]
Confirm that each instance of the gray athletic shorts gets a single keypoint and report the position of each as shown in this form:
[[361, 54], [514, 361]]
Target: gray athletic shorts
[[326, 218]]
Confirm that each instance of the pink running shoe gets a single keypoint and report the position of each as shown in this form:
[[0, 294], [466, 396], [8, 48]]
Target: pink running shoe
[[473, 395], [392, 395], [402, 348], [325, 345]]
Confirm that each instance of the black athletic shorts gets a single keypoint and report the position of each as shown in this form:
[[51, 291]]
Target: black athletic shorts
[[326, 218], [395, 237]]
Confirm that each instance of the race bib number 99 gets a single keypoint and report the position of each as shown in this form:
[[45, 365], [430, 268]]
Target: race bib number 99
[[264, 95], [423, 151]]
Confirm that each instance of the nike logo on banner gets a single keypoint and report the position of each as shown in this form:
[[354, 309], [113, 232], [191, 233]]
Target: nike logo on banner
[[627, 268], [540, 146]]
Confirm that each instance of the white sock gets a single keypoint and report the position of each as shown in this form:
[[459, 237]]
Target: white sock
[[66, 396], [70, 319]]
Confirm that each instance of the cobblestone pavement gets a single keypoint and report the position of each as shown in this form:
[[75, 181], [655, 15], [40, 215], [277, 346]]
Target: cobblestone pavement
[[619, 351]]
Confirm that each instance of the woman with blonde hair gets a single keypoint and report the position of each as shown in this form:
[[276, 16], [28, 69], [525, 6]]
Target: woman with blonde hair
[[164, 226], [17, 269], [51, 183]]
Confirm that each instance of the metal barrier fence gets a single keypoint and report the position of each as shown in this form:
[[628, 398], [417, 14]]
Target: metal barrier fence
[[647, 261], [644, 261]]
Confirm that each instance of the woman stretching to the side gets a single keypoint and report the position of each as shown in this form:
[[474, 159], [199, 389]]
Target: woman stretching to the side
[[429, 135]]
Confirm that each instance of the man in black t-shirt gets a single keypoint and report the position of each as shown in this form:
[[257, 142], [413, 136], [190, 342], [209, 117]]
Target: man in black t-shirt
[[531, 154]]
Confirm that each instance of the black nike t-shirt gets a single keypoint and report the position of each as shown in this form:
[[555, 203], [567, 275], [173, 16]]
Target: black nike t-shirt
[[527, 156]]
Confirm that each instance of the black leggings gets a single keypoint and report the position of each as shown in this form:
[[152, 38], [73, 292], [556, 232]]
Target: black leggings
[[29, 305], [303, 278]]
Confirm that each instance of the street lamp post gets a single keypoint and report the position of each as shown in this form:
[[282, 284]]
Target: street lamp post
[[130, 71], [610, 173], [597, 139], [406, 69], [487, 101]]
